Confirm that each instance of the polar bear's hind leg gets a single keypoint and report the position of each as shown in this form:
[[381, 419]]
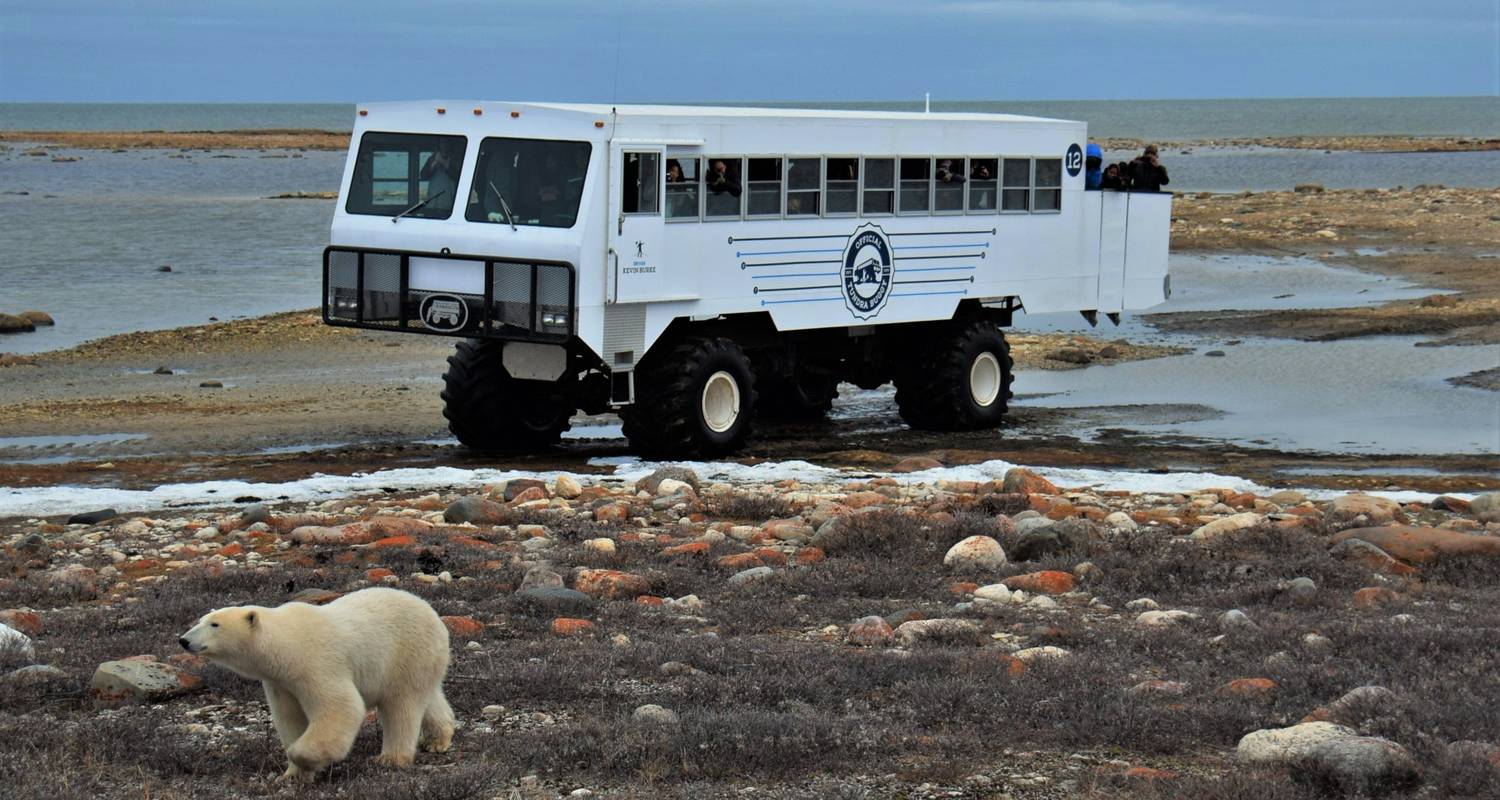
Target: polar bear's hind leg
[[437, 723]]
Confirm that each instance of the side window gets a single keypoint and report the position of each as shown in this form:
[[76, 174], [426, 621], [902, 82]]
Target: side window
[[842, 185], [982, 184], [949, 175], [1048, 185], [723, 191], [880, 186], [916, 185], [641, 176], [803, 186], [1016, 185], [764, 187], [683, 184]]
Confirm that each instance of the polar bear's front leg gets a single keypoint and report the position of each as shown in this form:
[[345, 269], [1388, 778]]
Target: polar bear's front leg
[[286, 713], [334, 716]]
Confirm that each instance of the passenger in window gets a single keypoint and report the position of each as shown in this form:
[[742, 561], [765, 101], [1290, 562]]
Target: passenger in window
[[1093, 165], [720, 180], [674, 171], [441, 174], [945, 174], [1146, 172]]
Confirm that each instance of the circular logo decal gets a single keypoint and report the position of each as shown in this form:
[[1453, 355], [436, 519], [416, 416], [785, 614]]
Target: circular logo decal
[[444, 312], [867, 271], [1074, 161]]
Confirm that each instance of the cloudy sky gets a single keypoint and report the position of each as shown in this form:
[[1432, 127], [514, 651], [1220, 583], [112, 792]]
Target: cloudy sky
[[702, 50]]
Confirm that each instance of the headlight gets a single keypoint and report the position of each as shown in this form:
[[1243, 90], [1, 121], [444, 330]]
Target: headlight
[[555, 319]]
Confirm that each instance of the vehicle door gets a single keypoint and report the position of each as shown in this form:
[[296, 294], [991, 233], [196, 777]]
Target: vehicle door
[[636, 270]]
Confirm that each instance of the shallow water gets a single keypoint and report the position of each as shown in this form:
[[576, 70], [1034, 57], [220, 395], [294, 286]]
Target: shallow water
[[1363, 396]]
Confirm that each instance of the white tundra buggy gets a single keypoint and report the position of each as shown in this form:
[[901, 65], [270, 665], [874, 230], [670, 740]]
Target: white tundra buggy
[[692, 267]]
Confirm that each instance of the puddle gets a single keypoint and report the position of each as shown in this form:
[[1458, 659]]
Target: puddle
[[1359, 396], [604, 431], [75, 440]]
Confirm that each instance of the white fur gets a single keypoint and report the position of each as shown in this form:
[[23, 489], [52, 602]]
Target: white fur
[[323, 666]]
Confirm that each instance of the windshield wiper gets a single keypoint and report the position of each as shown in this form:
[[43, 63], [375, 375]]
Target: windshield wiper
[[504, 206], [419, 205]]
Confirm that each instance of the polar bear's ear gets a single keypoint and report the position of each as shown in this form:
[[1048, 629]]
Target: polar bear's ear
[[250, 618]]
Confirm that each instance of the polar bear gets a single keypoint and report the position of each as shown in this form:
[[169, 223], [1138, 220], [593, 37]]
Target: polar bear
[[323, 666]]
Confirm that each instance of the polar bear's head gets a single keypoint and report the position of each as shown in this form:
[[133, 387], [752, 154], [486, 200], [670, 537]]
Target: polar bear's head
[[227, 635]]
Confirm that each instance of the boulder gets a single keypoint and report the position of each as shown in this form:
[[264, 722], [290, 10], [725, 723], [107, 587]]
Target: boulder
[[1357, 765], [13, 643], [1281, 745], [518, 486], [39, 676], [139, 681], [750, 575], [1356, 706], [1019, 480], [476, 510], [567, 487], [870, 632], [73, 580], [1045, 582], [1160, 619], [541, 578], [611, 584], [552, 600], [10, 323], [27, 622], [38, 318], [1120, 521], [975, 553], [93, 517], [1219, 527], [939, 631], [1070, 355], [1036, 543], [655, 715], [993, 593], [651, 484], [1371, 557], [1422, 545], [916, 464], [1288, 497], [1376, 509]]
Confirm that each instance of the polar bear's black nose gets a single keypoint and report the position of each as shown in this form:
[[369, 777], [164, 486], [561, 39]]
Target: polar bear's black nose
[[182, 640]]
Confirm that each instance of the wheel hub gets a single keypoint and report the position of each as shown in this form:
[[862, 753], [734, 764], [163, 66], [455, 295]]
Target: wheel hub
[[721, 402], [984, 379]]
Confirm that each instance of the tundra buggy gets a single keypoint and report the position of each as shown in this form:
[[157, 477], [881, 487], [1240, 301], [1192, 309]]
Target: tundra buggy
[[692, 267]]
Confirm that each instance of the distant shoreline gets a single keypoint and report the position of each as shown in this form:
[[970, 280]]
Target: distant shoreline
[[313, 139]]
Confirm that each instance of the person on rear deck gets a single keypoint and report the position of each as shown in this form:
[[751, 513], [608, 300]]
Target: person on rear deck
[[1146, 172], [1093, 165]]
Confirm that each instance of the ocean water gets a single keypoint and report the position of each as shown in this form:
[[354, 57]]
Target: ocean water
[[1167, 120]]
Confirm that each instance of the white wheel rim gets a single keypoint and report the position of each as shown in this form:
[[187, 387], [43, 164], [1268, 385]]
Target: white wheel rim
[[721, 402], [984, 379]]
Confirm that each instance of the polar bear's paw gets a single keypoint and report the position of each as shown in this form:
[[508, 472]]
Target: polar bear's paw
[[398, 760]]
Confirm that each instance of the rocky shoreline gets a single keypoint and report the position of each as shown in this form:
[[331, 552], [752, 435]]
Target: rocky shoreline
[[801, 636]]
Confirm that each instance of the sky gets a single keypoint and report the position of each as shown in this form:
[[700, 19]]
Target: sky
[[742, 50]]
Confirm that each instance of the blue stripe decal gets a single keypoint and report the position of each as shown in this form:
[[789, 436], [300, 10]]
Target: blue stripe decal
[[923, 294], [806, 300], [786, 252], [807, 275], [937, 246], [936, 269]]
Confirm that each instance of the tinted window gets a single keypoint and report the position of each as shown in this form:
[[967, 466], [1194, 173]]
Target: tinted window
[[1048, 185], [842, 181], [949, 175], [539, 182], [1016, 181], [880, 185], [642, 173], [802, 182], [764, 187], [915, 186], [982, 181], [395, 171]]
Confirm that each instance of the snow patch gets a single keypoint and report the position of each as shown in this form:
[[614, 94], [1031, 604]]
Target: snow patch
[[54, 500]]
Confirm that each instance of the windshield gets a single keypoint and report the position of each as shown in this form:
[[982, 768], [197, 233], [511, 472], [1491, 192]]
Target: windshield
[[396, 171], [539, 181]]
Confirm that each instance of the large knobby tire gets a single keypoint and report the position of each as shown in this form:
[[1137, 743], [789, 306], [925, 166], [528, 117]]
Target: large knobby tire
[[693, 399], [489, 410], [960, 381], [805, 396]]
